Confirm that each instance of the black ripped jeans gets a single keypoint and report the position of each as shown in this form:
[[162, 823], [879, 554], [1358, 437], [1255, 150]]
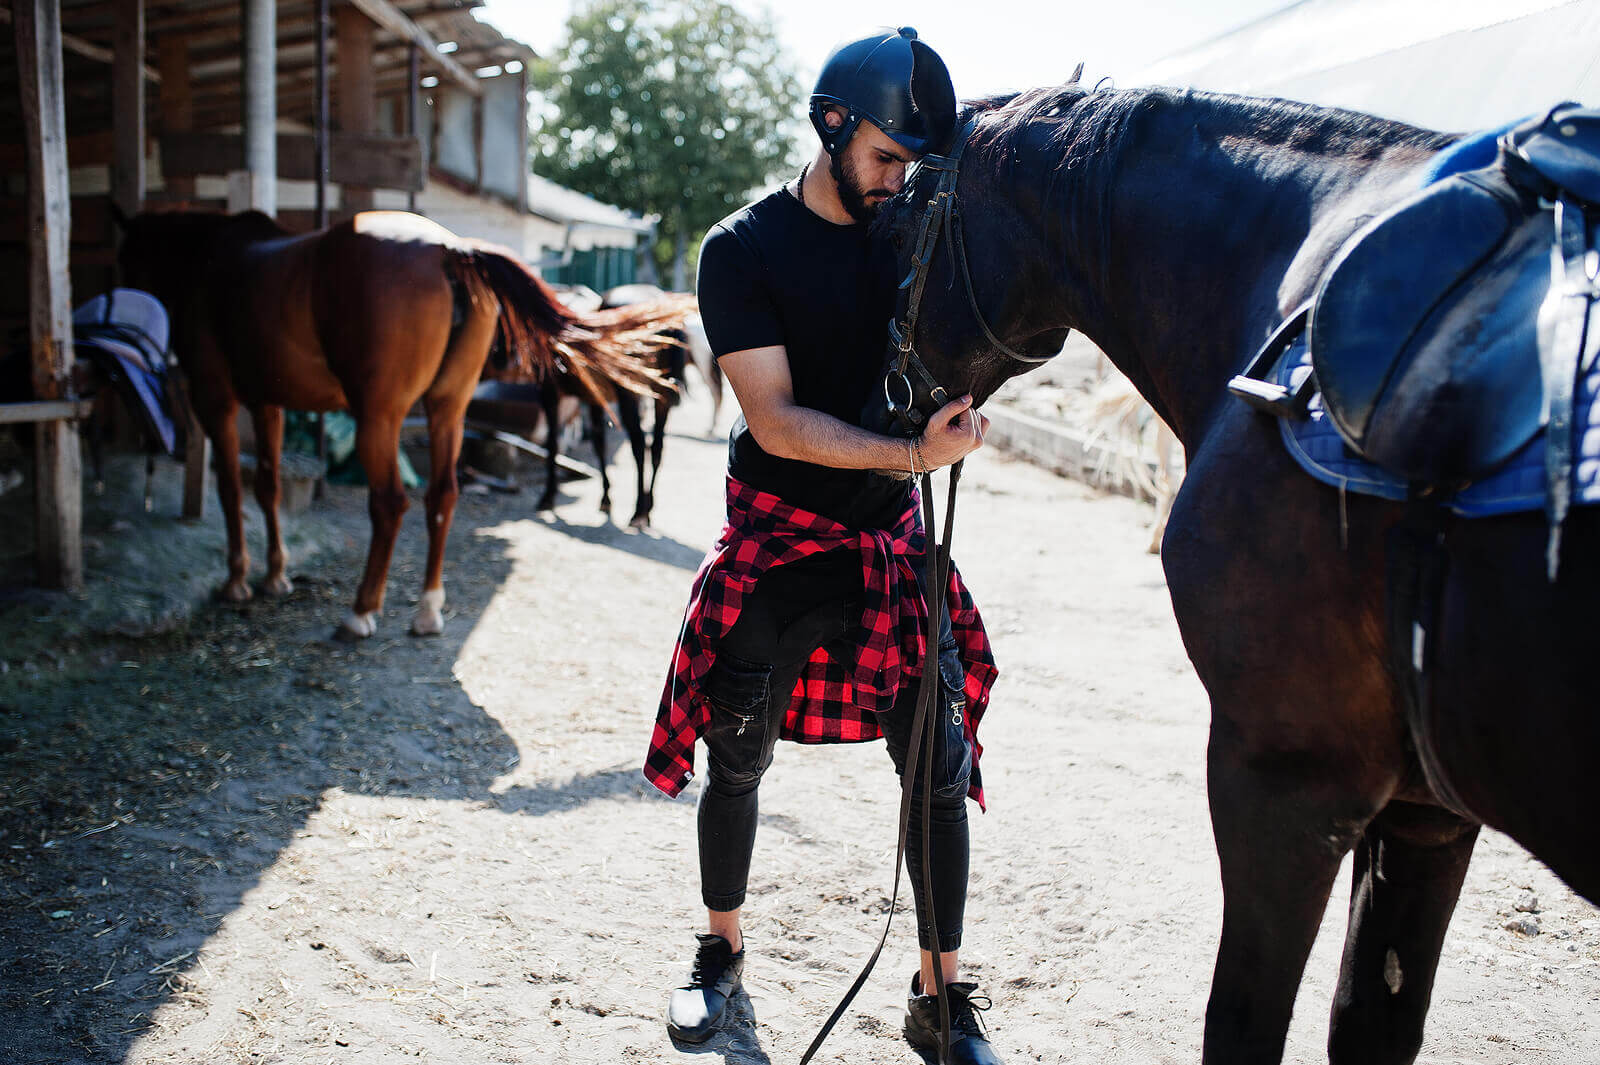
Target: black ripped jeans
[[791, 611]]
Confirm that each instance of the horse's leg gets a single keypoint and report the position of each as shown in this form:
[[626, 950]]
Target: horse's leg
[[268, 421], [658, 436], [220, 421], [446, 417], [446, 400], [550, 401], [597, 432], [628, 414], [378, 448], [1408, 872], [1283, 822]]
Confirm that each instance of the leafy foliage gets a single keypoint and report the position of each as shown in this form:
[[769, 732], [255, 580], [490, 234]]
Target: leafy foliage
[[668, 107]]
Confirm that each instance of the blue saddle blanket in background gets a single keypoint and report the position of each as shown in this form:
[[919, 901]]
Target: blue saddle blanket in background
[[1519, 485]]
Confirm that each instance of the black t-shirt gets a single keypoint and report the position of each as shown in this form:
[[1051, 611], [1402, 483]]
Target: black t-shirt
[[776, 273]]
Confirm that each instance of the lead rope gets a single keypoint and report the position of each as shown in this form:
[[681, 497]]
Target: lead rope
[[936, 559]]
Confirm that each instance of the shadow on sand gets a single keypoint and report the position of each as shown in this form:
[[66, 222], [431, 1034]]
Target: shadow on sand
[[147, 785]]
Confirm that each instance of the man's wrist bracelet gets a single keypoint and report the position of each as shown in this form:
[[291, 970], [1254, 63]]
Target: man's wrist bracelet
[[911, 455]]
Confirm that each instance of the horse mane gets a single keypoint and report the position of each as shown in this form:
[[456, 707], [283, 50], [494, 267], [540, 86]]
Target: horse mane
[[1076, 125]]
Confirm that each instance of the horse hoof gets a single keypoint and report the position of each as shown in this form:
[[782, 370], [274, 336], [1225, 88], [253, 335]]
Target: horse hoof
[[430, 614], [357, 627], [237, 591], [277, 587], [640, 522]]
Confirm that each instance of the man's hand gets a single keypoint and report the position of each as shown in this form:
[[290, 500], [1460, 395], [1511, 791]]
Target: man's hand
[[954, 432]]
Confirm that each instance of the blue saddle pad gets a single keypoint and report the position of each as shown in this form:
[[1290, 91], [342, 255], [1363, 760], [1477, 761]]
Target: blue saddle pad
[[1517, 486]]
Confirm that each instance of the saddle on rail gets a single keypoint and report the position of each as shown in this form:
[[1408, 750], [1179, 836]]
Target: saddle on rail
[[1448, 331]]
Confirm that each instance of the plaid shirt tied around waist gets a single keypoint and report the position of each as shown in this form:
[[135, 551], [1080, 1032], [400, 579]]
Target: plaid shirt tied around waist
[[843, 687]]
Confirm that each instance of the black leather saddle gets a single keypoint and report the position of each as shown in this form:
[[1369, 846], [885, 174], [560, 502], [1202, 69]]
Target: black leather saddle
[[1450, 329]]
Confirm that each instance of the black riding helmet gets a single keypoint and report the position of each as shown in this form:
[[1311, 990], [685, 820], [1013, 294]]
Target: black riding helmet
[[892, 80]]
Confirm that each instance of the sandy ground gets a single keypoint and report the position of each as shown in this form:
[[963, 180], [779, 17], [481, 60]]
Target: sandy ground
[[241, 842]]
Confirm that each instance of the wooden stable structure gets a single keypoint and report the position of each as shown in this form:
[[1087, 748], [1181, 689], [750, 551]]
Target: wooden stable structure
[[216, 103]]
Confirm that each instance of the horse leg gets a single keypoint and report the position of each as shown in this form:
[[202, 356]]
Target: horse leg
[[550, 400], [1408, 872], [658, 436], [1282, 827], [628, 413], [378, 448], [268, 421], [446, 418], [220, 421], [597, 431]]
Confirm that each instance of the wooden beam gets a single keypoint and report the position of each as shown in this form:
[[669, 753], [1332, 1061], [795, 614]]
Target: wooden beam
[[50, 410], [259, 86], [413, 107], [58, 513], [374, 160], [321, 125], [87, 49], [127, 108], [357, 95], [394, 20], [177, 106]]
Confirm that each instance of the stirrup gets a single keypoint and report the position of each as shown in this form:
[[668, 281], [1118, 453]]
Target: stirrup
[[1254, 385]]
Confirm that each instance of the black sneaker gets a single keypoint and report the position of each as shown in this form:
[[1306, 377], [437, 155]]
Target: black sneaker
[[968, 1043], [695, 1008]]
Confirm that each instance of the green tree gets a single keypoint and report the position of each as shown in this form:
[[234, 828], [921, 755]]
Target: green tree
[[668, 107]]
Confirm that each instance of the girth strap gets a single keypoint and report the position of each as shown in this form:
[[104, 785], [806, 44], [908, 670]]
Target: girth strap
[[936, 569], [1563, 325]]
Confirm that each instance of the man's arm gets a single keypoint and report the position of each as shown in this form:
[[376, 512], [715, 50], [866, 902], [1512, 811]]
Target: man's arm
[[760, 379]]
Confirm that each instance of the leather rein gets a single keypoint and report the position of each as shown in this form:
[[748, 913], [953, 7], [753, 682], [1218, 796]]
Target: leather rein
[[941, 215]]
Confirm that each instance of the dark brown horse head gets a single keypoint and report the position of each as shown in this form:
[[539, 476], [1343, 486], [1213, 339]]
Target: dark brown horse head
[[988, 298], [163, 252]]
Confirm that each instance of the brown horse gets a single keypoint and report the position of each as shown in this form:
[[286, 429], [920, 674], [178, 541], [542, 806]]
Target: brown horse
[[370, 316], [1175, 229]]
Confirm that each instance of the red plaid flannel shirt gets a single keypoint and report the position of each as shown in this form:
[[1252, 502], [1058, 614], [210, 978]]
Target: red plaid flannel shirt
[[837, 697]]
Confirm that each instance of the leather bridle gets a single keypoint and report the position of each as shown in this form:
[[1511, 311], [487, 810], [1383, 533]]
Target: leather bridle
[[942, 214]]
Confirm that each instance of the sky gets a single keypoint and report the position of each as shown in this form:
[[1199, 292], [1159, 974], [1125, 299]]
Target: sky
[[989, 45]]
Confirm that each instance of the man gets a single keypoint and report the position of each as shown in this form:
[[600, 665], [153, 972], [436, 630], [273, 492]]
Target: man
[[805, 619]]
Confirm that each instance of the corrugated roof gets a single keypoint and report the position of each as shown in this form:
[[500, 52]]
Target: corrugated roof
[[1472, 63], [568, 207]]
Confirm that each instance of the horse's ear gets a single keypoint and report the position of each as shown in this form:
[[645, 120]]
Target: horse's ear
[[1077, 75]]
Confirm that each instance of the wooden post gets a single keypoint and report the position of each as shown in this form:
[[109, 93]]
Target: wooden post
[[58, 514], [127, 108], [260, 94], [478, 125], [358, 97], [524, 165], [320, 114], [177, 116], [177, 105], [414, 109]]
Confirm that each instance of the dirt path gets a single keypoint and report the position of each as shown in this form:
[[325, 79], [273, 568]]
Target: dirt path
[[245, 843]]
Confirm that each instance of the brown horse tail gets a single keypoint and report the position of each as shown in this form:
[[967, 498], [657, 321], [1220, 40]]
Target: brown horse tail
[[625, 343], [592, 355]]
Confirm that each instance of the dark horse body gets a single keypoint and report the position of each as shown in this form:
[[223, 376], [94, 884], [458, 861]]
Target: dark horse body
[[1175, 230], [371, 316]]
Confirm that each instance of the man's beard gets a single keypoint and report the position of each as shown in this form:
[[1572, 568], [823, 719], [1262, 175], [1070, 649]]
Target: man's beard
[[851, 194]]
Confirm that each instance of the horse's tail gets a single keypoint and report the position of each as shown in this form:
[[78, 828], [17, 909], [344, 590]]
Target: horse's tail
[[647, 337], [1121, 422], [594, 355]]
